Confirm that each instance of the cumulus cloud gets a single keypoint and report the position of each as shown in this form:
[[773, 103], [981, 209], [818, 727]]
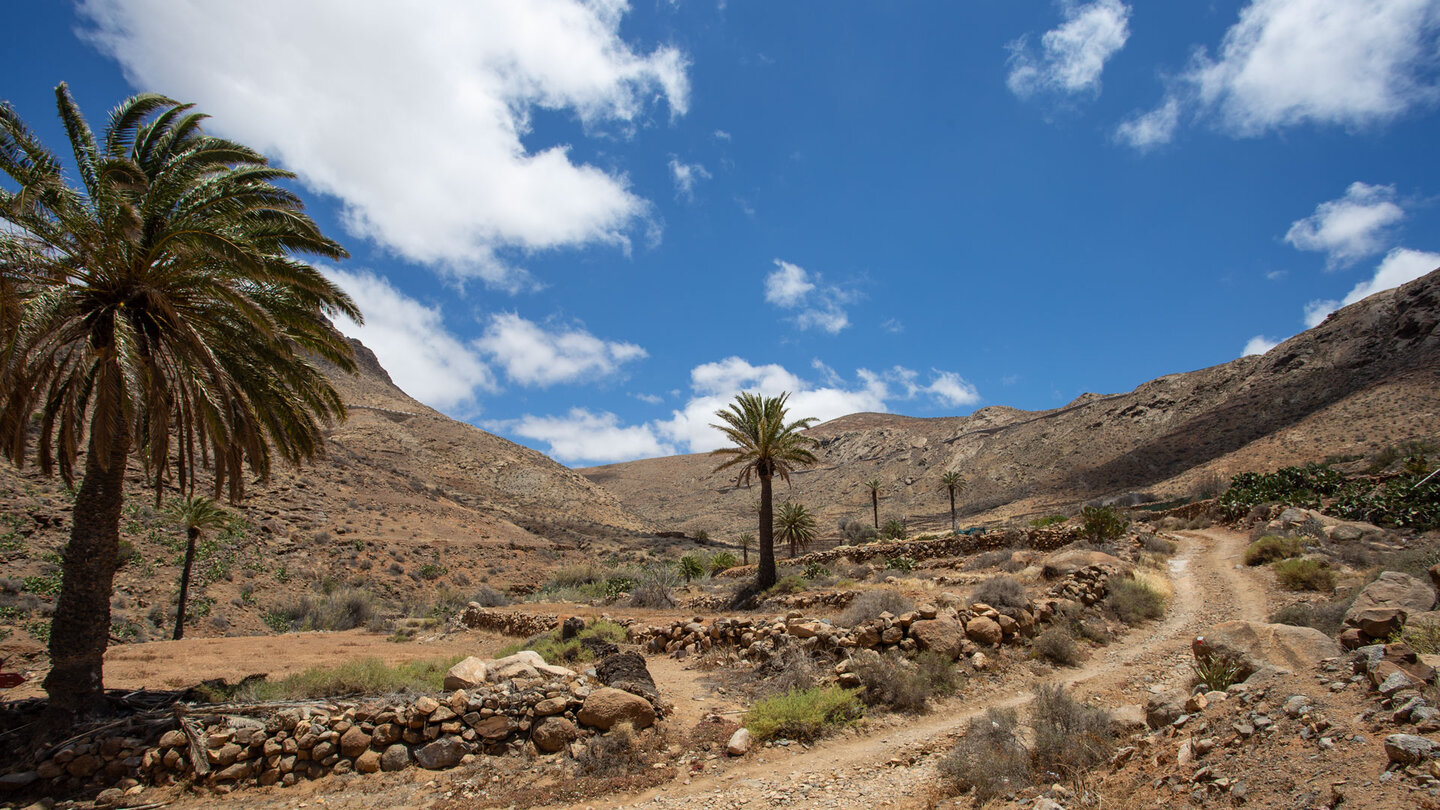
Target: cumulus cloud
[[1350, 228], [1329, 62], [415, 116], [411, 341], [533, 355], [600, 437], [1258, 345], [1072, 56], [1399, 266], [686, 176], [817, 305], [584, 436]]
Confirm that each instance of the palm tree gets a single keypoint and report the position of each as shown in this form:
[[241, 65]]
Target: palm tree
[[747, 542], [874, 486], [765, 446], [954, 482], [196, 513], [159, 312], [796, 526]]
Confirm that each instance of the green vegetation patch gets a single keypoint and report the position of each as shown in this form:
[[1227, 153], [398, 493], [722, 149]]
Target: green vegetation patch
[[1304, 575], [805, 715], [362, 676], [572, 650], [1271, 548]]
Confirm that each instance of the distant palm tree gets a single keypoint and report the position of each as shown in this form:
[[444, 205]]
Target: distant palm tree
[[747, 542], [196, 513], [765, 446], [158, 311], [953, 482], [874, 486], [795, 525]]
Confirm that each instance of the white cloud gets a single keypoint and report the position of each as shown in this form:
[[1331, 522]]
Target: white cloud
[[582, 435], [649, 399], [1153, 128], [410, 339], [722, 135], [532, 355], [585, 436], [820, 306], [1350, 228], [1399, 266], [1258, 345], [1073, 55], [1329, 62], [686, 176], [415, 115]]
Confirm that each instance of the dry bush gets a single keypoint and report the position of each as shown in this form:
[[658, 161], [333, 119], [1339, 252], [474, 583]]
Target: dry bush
[[489, 597], [791, 669], [1001, 592], [989, 559], [1057, 645], [900, 685], [1156, 544], [1133, 600], [619, 751], [1327, 617], [990, 760], [1271, 548], [1071, 737], [576, 574], [870, 604], [1304, 575], [344, 609]]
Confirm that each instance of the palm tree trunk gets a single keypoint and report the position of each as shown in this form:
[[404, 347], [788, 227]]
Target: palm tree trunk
[[875, 507], [765, 574], [953, 527], [80, 629], [193, 534]]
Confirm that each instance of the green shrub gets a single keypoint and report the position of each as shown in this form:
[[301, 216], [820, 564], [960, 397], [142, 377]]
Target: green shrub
[[1216, 672], [816, 571], [870, 604], [1133, 601], [1270, 548], [722, 561], [805, 715], [701, 534], [1057, 646], [906, 564], [789, 584], [569, 651], [1304, 575], [1047, 521], [433, 571], [990, 759], [1101, 523], [855, 532], [691, 567], [1423, 637], [893, 530], [1402, 502], [1292, 486]]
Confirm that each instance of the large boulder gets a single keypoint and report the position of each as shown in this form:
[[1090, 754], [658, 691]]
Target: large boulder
[[553, 734], [445, 752], [627, 671], [941, 636], [395, 758], [1165, 708], [523, 664], [1393, 589], [1255, 645], [608, 706], [1067, 561], [983, 630], [467, 674]]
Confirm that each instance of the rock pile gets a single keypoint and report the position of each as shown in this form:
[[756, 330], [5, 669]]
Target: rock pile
[[523, 625], [1087, 585], [1043, 539], [551, 708]]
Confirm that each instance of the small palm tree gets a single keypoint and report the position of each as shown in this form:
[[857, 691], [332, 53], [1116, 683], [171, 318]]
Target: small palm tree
[[747, 542], [155, 309], [765, 446], [795, 525], [196, 513], [954, 482], [874, 486]]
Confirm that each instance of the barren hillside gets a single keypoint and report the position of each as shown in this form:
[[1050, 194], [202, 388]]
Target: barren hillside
[[1364, 379]]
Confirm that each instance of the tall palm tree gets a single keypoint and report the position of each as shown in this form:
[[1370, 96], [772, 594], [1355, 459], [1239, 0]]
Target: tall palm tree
[[874, 486], [796, 526], [953, 482], [196, 513], [747, 542], [765, 446], [160, 312]]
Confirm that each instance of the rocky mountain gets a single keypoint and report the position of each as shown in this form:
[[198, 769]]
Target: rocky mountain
[[1366, 378]]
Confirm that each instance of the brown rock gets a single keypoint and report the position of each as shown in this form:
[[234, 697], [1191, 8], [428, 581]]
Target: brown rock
[[942, 636], [550, 706], [1065, 562], [553, 734], [441, 754], [368, 762], [354, 742], [984, 631], [467, 674], [172, 739], [395, 758], [1378, 623], [1254, 645], [494, 728], [1393, 589], [608, 706], [425, 705]]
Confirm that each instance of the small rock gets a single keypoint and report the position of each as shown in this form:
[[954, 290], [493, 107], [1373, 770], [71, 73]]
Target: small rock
[[395, 758], [739, 744]]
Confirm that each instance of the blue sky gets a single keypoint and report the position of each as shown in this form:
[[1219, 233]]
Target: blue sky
[[586, 225]]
